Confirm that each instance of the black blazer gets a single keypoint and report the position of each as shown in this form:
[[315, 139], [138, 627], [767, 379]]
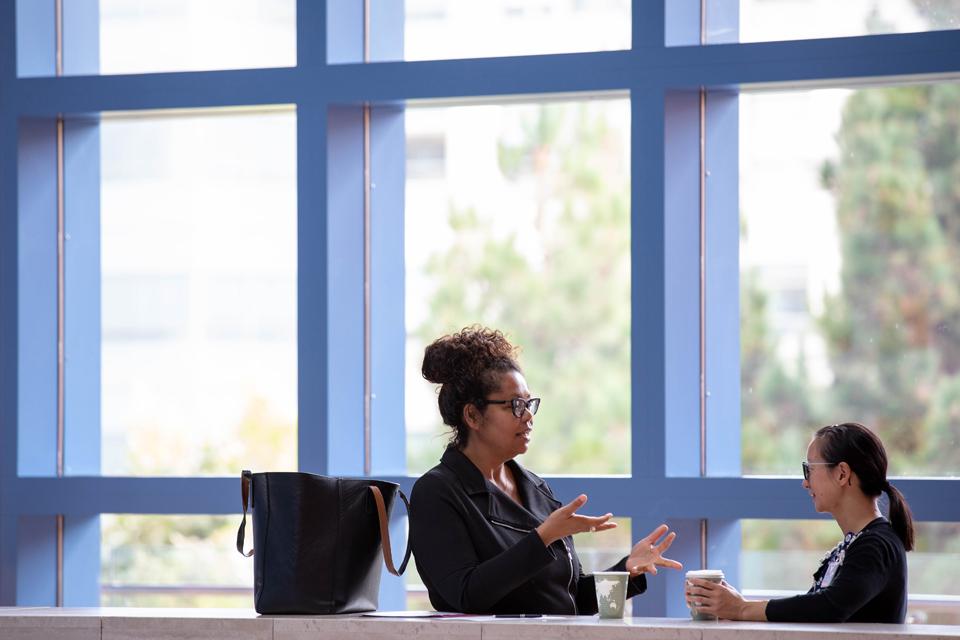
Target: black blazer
[[478, 552]]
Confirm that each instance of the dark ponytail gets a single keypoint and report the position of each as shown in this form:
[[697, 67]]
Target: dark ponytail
[[860, 448], [900, 516]]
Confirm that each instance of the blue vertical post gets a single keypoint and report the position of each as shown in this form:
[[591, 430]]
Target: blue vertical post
[[36, 568], [34, 222], [9, 258], [81, 560], [723, 399], [82, 298], [682, 299], [313, 255], [388, 325], [648, 330], [36, 49], [82, 284], [648, 354], [344, 31], [647, 284], [81, 37], [345, 290], [388, 328], [722, 284]]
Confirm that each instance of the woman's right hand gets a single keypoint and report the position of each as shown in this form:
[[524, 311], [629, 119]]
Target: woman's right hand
[[565, 521]]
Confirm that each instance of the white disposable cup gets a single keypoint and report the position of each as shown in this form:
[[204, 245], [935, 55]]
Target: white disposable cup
[[713, 575]]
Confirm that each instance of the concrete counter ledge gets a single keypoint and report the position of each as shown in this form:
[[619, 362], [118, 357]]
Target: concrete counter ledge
[[36, 623]]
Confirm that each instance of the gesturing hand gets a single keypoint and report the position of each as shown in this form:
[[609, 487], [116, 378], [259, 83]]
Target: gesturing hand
[[647, 554], [565, 521]]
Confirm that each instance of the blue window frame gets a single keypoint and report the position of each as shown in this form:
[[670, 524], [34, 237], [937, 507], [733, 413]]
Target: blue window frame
[[701, 497]]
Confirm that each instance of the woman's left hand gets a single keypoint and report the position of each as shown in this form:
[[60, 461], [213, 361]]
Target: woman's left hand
[[647, 554], [715, 599]]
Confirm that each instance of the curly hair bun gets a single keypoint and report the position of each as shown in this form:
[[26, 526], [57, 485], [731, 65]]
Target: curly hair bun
[[465, 355]]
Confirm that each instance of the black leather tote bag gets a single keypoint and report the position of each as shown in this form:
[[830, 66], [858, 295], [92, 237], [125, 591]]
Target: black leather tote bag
[[317, 541]]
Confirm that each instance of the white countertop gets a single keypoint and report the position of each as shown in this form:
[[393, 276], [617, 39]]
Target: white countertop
[[33, 623]]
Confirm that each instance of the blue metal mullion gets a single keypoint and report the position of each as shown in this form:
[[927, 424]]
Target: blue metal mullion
[[825, 62], [648, 23], [682, 296], [648, 329], [9, 275], [649, 355], [313, 288], [312, 35], [183, 90], [345, 290]]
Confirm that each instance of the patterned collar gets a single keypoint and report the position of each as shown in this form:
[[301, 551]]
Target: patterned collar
[[833, 560]]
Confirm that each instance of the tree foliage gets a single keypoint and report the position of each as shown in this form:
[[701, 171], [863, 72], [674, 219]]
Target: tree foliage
[[558, 285]]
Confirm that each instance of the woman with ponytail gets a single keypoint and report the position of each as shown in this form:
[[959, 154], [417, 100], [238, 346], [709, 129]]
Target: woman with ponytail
[[864, 578]]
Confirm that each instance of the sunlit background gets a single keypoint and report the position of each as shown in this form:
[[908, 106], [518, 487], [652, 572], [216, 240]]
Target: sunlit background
[[850, 302]]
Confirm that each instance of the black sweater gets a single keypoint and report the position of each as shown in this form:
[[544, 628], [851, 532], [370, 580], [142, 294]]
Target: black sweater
[[870, 585], [478, 552]]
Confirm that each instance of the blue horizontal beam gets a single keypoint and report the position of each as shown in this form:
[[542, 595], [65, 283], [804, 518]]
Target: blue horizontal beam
[[830, 61], [931, 499], [187, 90], [827, 61]]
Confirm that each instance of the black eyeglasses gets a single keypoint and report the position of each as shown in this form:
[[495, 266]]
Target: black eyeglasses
[[519, 405], [806, 467]]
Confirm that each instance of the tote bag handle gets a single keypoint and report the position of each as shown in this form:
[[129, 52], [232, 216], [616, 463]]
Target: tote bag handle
[[245, 477], [385, 531]]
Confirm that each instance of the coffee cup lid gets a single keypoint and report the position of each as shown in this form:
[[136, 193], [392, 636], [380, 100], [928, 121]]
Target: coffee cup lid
[[705, 573]]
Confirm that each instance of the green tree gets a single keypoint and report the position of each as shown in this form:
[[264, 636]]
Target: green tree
[[562, 294], [778, 406], [893, 328]]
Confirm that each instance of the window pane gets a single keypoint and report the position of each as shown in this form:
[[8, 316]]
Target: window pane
[[802, 19], [140, 36], [528, 208], [779, 557], [850, 273], [173, 561], [438, 29], [198, 234]]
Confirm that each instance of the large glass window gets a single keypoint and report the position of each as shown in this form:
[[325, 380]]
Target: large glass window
[[141, 36], [528, 207], [198, 263], [802, 19], [173, 561], [436, 29], [850, 290]]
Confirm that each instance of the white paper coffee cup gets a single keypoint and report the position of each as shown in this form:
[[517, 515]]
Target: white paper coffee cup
[[713, 575]]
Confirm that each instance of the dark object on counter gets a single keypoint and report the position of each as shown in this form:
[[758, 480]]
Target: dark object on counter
[[317, 541]]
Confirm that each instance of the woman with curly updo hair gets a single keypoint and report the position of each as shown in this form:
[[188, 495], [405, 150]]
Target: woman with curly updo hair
[[488, 535]]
